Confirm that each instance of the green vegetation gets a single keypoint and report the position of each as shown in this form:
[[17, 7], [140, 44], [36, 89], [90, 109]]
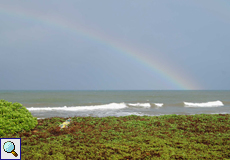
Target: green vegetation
[[130, 137], [15, 118]]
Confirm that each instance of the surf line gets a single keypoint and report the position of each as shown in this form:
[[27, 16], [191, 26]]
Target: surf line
[[174, 79]]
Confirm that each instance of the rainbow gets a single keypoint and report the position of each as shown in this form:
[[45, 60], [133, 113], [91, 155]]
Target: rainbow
[[174, 77]]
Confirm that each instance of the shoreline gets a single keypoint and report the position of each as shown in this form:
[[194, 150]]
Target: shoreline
[[141, 116]]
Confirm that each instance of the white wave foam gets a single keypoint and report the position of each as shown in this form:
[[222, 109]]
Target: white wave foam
[[159, 104], [77, 108], [145, 105], [207, 104], [128, 114]]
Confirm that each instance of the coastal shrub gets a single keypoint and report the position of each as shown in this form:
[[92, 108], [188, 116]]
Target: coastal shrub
[[14, 117]]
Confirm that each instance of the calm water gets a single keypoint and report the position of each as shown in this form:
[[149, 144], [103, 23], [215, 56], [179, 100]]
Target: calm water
[[44, 104]]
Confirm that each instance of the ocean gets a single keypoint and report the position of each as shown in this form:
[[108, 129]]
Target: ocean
[[46, 104]]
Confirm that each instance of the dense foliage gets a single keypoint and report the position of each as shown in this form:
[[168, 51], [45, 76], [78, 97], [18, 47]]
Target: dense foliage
[[130, 137], [14, 117]]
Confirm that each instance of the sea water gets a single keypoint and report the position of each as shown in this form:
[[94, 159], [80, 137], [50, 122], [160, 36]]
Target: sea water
[[45, 104]]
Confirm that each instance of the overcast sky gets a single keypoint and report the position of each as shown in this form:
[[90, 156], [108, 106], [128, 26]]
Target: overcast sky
[[114, 45]]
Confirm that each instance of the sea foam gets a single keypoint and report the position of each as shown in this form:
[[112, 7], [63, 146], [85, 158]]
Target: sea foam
[[159, 104], [77, 108], [206, 104], [145, 105]]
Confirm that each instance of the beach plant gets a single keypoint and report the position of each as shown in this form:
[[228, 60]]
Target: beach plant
[[129, 137], [14, 117]]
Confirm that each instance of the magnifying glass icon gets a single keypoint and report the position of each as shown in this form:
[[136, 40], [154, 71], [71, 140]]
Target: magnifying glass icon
[[9, 147]]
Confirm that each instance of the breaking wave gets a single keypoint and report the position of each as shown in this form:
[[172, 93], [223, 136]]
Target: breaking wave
[[159, 104], [145, 105], [77, 108], [206, 104]]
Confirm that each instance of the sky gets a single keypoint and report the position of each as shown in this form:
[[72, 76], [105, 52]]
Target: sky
[[114, 45]]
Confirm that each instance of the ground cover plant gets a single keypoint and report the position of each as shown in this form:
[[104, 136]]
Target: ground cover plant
[[14, 117], [129, 137]]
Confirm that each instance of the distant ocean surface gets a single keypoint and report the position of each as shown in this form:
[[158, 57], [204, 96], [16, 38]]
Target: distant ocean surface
[[45, 104]]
